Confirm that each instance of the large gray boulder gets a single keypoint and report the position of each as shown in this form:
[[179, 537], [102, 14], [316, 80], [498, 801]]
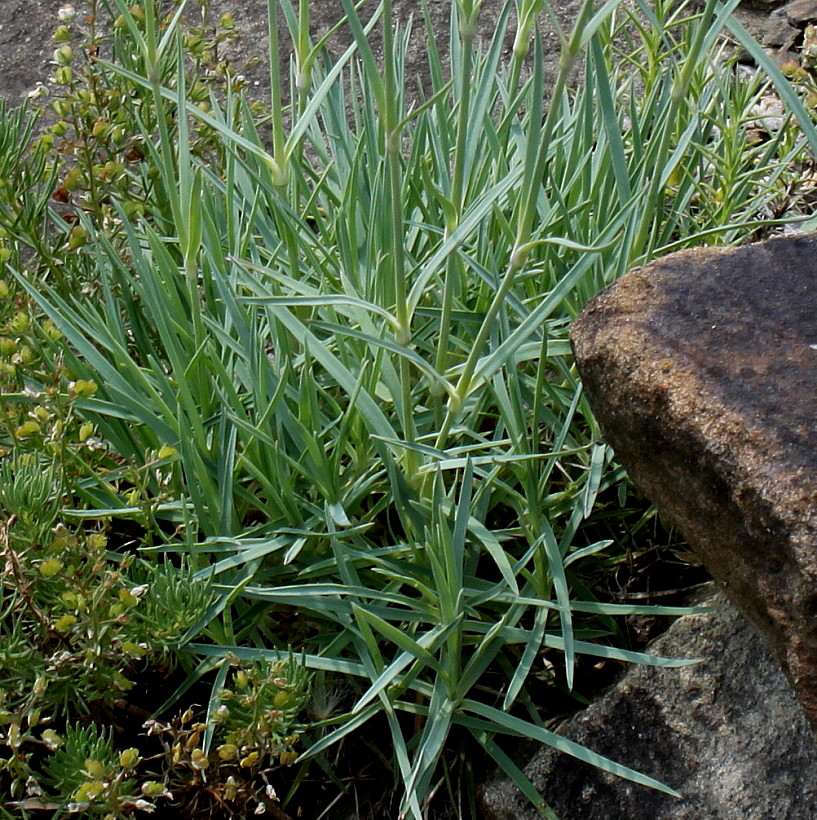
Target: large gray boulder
[[701, 368], [727, 734]]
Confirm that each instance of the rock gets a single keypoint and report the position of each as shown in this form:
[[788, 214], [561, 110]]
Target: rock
[[782, 30], [726, 733], [762, 5], [701, 369], [778, 33], [801, 12]]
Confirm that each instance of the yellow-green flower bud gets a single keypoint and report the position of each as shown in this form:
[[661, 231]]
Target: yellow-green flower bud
[[112, 170], [7, 346], [63, 76], [97, 541], [133, 649], [193, 43], [250, 760], [89, 791], [19, 322], [62, 34], [24, 356], [95, 768], [129, 758], [27, 428], [83, 388], [51, 739], [790, 69], [229, 751], [227, 22], [51, 567], [51, 331], [4, 289], [72, 178], [86, 431], [100, 129], [284, 699], [46, 142], [199, 759], [5, 254], [77, 237], [64, 55], [127, 597], [152, 788], [166, 451], [64, 623]]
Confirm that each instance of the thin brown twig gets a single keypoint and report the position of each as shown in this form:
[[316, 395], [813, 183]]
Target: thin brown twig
[[13, 565]]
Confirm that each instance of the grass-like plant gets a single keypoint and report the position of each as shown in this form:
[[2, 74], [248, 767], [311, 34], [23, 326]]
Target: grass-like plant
[[331, 349]]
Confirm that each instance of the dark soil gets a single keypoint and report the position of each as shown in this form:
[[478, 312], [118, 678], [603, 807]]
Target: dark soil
[[26, 28]]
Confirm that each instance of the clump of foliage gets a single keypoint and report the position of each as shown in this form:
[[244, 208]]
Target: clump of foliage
[[74, 629], [226, 763], [318, 360], [77, 632], [84, 620]]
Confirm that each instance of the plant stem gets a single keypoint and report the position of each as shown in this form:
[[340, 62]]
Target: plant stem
[[454, 268]]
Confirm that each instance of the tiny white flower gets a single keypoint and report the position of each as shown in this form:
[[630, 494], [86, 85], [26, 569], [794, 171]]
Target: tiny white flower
[[33, 787], [38, 91], [66, 14]]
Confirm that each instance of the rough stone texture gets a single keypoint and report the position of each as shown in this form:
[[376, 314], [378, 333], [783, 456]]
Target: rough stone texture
[[701, 368], [801, 12], [727, 734]]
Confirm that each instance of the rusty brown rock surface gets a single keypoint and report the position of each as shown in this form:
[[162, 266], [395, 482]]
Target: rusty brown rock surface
[[702, 368]]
